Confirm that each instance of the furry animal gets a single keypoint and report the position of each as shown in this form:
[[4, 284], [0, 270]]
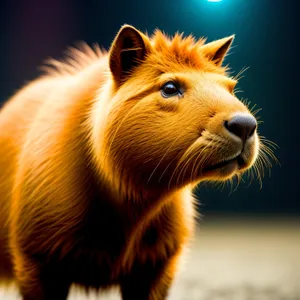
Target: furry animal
[[99, 156]]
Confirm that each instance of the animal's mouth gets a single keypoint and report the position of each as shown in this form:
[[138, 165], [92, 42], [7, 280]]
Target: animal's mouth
[[238, 159]]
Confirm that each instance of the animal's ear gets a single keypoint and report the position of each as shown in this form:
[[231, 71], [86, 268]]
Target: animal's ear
[[128, 50], [217, 50]]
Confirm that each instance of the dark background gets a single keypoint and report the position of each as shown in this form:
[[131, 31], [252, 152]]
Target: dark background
[[267, 37]]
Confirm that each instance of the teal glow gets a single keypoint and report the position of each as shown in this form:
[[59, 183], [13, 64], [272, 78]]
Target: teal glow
[[214, 0]]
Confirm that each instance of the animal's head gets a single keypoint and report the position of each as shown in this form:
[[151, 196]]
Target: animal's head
[[173, 117]]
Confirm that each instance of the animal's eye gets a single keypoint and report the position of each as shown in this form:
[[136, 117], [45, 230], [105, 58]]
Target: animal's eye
[[170, 89]]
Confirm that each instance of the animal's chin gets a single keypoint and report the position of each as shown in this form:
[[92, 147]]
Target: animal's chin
[[225, 168]]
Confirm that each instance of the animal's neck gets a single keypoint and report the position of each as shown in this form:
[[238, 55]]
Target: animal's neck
[[135, 202]]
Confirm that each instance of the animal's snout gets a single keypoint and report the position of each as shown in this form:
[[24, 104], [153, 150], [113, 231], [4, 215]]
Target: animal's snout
[[241, 125]]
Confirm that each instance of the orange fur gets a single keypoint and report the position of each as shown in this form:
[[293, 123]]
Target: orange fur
[[97, 168]]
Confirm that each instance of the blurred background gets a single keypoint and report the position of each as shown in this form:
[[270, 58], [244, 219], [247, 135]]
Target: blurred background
[[249, 238]]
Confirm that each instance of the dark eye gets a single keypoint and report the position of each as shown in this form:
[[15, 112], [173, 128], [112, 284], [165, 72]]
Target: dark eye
[[170, 89]]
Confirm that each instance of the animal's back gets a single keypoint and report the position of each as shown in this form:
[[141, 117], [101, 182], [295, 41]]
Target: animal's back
[[46, 96], [15, 119]]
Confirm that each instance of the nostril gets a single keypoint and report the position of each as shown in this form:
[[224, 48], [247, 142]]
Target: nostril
[[241, 125], [226, 125], [252, 131]]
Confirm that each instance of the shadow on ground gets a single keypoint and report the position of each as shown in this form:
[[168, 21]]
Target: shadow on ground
[[232, 259]]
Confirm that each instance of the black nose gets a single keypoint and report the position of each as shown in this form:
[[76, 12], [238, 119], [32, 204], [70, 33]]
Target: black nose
[[242, 126]]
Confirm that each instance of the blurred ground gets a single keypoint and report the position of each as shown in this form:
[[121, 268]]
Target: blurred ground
[[233, 259]]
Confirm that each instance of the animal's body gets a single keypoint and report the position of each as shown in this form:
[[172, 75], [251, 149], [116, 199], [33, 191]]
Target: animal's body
[[98, 159]]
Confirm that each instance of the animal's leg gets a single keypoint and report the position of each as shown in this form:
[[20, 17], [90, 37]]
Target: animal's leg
[[149, 282], [40, 283]]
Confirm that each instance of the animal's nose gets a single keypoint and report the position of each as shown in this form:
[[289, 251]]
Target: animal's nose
[[241, 125]]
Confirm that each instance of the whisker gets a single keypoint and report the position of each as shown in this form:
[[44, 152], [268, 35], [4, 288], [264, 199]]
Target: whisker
[[205, 158], [166, 152], [268, 147], [265, 161], [230, 180], [245, 101], [252, 108], [255, 112], [119, 126], [242, 71], [250, 175], [237, 90], [239, 179], [220, 185], [200, 153], [186, 162], [185, 166], [268, 142], [185, 153], [165, 170], [256, 169]]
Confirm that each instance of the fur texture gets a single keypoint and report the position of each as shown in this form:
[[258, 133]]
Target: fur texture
[[97, 167]]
